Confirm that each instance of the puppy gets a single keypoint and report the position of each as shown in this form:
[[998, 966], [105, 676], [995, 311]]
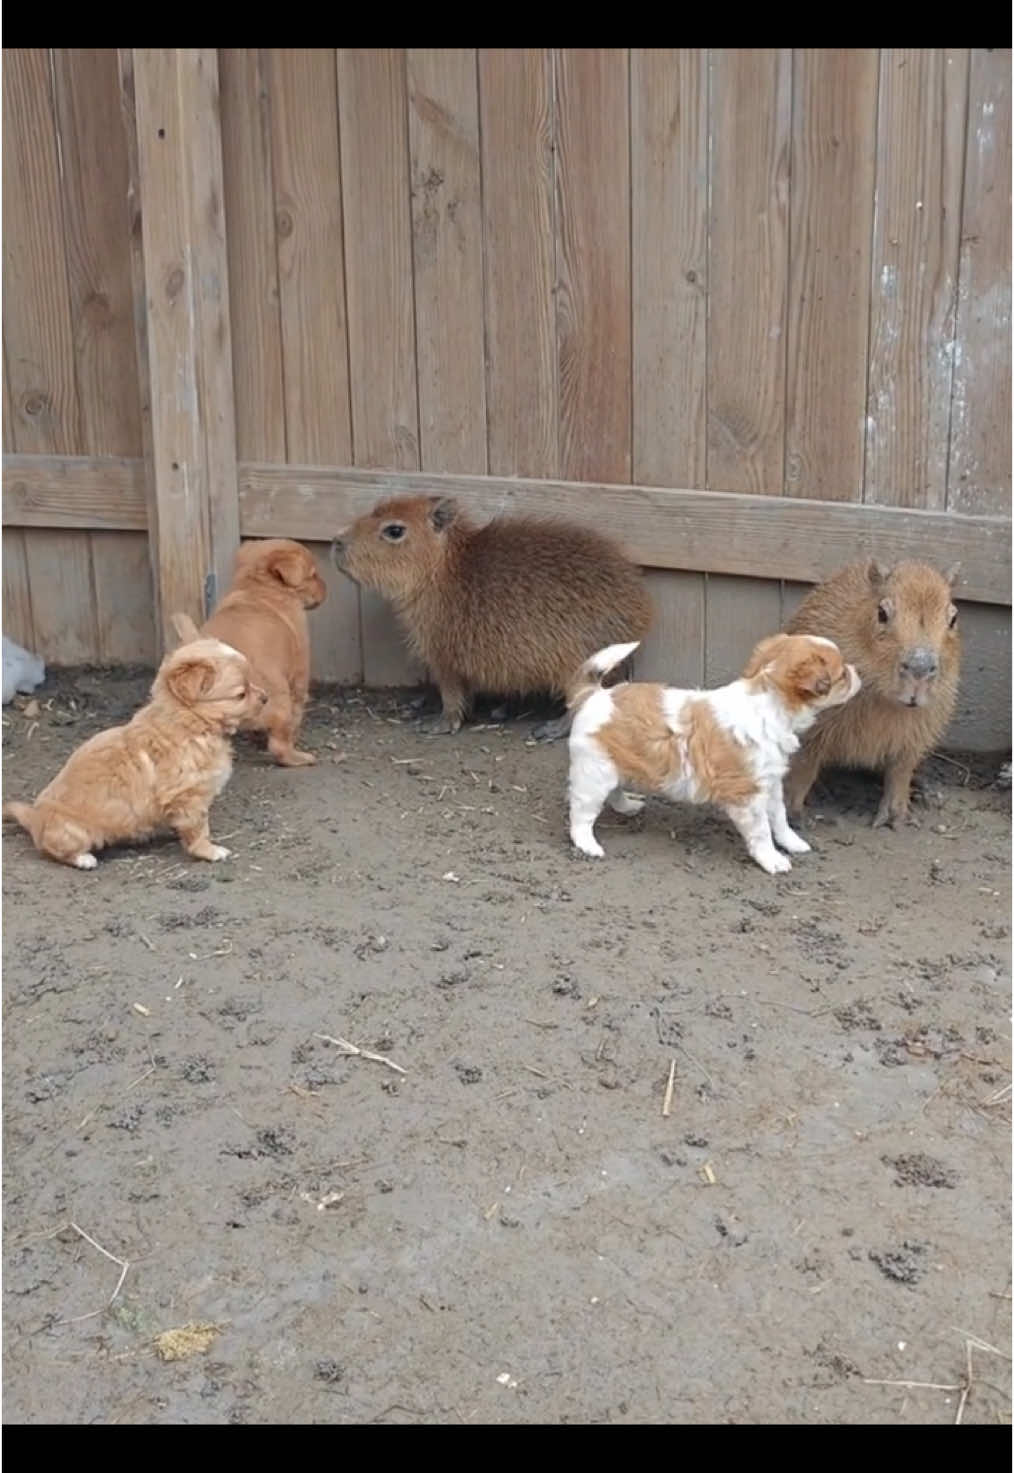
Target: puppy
[[264, 617], [161, 770], [729, 746]]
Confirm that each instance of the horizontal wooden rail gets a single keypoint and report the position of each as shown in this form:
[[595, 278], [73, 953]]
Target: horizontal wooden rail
[[698, 531]]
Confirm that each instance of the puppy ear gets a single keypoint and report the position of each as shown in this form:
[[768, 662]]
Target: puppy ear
[[186, 629], [289, 567], [810, 677], [443, 510], [764, 652], [190, 680], [952, 573]]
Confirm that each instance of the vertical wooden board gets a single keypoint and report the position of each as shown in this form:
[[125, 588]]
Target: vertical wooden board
[[447, 254], [792, 596], [37, 327], [516, 124], [669, 230], [311, 271], [94, 176], [9, 440], [372, 107], [979, 473], [124, 605], [673, 651], [62, 594], [593, 256], [748, 268], [920, 156], [386, 658], [982, 720], [335, 653], [834, 113], [739, 613], [253, 255], [17, 602]]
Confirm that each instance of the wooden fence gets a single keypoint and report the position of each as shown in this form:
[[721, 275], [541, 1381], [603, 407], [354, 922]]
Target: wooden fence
[[750, 309]]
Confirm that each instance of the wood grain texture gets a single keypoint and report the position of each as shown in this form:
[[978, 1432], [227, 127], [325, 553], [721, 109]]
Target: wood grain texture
[[979, 475], [124, 606], [311, 269], [703, 531], [255, 313], [673, 651], [17, 598], [37, 328], [739, 613], [748, 268], [378, 256], [669, 225], [593, 262], [335, 652], [47, 491], [834, 112], [63, 598], [443, 116], [920, 157], [94, 175], [982, 720], [516, 124], [188, 337]]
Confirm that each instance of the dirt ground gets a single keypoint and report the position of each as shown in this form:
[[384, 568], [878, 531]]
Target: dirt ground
[[510, 1230]]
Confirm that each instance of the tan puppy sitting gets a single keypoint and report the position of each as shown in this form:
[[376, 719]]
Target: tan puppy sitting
[[162, 770], [264, 616], [730, 746]]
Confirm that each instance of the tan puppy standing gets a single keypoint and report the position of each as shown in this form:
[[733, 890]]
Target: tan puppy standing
[[264, 615], [730, 746], [162, 770]]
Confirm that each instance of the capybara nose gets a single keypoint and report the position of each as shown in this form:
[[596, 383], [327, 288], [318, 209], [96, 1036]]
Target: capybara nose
[[337, 550], [920, 663]]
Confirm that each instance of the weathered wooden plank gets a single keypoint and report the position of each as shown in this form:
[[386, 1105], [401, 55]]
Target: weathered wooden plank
[[834, 110], [386, 659], [63, 596], [443, 121], [979, 473], [124, 607], [748, 268], [94, 176], [188, 337], [17, 599], [673, 652], [792, 596], [253, 254], [669, 225], [311, 269], [982, 720], [378, 256], [917, 221], [593, 261], [38, 335], [739, 612], [516, 120], [335, 648], [48, 491], [750, 536]]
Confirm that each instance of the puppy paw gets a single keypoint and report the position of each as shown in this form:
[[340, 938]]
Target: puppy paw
[[591, 849], [793, 844], [85, 861], [624, 804], [774, 863], [211, 852], [295, 758]]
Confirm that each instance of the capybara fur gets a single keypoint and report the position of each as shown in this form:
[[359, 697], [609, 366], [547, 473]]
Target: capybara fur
[[898, 626], [507, 609]]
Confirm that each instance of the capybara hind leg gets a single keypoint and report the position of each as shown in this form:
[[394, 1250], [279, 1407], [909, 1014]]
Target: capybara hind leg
[[800, 778], [454, 695], [280, 722], [195, 838], [894, 805], [552, 731]]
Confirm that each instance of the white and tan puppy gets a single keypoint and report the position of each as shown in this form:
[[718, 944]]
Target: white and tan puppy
[[730, 746]]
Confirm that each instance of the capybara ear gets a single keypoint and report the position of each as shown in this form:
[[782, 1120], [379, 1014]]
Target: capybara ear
[[190, 680], [443, 510], [289, 567], [951, 575], [810, 676], [765, 651], [878, 573]]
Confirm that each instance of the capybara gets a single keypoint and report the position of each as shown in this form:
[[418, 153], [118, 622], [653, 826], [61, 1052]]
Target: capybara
[[898, 626], [507, 609]]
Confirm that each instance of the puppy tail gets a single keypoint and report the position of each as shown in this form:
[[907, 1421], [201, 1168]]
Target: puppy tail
[[186, 629], [21, 813], [589, 677]]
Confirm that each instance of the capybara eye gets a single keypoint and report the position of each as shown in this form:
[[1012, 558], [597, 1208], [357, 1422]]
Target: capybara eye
[[394, 532], [883, 613]]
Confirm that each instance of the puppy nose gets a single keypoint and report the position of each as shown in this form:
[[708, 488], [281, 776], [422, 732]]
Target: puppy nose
[[920, 663]]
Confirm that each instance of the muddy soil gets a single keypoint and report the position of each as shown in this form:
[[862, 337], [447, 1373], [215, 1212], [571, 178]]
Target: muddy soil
[[510, 1230]]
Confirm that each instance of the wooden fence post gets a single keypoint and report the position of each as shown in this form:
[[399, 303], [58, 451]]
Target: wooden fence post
[[181, 285]]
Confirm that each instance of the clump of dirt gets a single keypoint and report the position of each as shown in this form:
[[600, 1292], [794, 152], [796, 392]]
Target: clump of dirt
[[903, 1265], [917, 1169]]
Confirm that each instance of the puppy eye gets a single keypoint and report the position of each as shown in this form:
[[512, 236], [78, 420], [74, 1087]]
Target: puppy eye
[[394, 532], [883, 613], [953, 618]]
